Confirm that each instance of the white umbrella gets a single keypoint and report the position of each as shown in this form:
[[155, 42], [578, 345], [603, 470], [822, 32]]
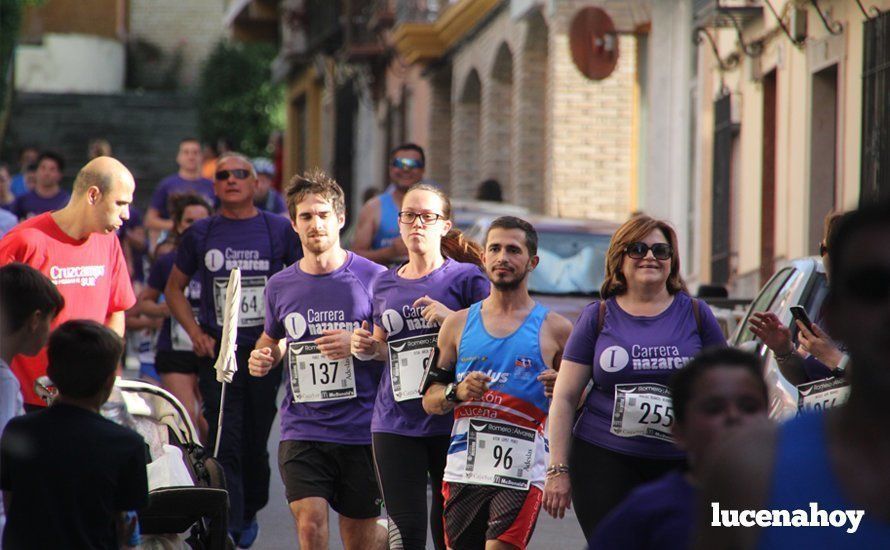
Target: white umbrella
[[226, 364]]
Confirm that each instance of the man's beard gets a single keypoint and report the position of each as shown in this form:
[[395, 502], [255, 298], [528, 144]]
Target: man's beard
[[505, 286]]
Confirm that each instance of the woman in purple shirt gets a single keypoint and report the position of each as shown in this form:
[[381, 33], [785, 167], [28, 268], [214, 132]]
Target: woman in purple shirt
[[442, 275], [628, 345]]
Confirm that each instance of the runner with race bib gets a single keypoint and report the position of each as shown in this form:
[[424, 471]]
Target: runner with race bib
[[260, 245], [312, 307], [495, 372], [410, 303], [628, 345]]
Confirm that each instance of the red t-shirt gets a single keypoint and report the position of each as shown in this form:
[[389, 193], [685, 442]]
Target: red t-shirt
[[91, 275]]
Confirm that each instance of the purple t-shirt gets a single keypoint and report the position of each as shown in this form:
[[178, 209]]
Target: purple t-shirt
[[31, 204], [299, 306], [659, 515], [639, 354], [457, 286], [174, 185], [260, 246], [134, 221], [273, 203], [157, 279]]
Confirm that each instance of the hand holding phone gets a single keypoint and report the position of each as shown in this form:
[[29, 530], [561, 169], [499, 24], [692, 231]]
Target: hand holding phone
[[800, 314]]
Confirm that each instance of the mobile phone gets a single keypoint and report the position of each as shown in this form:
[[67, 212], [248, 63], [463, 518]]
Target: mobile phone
[[800, 314]]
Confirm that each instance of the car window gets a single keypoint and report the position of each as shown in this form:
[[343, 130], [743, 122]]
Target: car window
[[570, 262], [763, 301]]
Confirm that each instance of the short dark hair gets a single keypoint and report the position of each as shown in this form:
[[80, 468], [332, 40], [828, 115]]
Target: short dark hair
[[24, 290], [512, 222], [190, 139], [683, 380], [52, 155], [82, 356], [178, 202], [408, 147], [314, 182]]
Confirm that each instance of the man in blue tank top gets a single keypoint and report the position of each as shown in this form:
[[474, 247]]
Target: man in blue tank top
[[822, 477], [495, 371], [377, 233]]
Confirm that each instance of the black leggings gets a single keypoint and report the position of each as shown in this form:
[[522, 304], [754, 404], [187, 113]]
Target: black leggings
[[404, 464], [601, 479]]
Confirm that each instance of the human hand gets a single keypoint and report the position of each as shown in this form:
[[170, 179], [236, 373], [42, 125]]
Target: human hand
[[203, 344], [771, 332], [473, 386], [334, 344], [260, 362], [433, 311], [548, 378], [362, 342], [557, 495], [818, 344]]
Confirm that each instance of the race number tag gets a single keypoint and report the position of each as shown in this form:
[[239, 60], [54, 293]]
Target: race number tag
[[253, 305], [643, 410], [408, 359], [822, 394], [179, 338], [500, 454], [314, 377]]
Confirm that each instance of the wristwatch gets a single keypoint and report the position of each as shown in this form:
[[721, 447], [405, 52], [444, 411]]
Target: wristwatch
[[451, 393]]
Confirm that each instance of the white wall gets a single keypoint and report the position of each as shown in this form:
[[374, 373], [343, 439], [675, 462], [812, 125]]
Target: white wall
[[71, 63]]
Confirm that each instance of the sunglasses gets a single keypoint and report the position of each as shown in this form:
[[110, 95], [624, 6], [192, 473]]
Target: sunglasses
[[638, 251], [426, 218], [868, 285], [406, 163], [239, 173]]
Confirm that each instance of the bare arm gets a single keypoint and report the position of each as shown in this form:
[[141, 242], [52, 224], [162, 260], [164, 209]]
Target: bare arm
[[367, 224], [117, 322], [149, 306], [366, 345], [434, 401], [266, 354], [554, 335], [153, 220], [181, 310]]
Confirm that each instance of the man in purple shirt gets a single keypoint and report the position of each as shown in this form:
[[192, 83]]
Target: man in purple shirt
[[47, 194], [312, 308], [187, 179]]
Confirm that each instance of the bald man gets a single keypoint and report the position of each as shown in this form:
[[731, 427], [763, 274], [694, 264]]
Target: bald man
[[76, 247]]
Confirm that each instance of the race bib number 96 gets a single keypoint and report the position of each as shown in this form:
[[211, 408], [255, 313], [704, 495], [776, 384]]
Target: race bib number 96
[[313, 377], [500, 454], [643, 410]]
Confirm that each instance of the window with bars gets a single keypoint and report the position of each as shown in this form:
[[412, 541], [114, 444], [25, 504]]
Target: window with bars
[[875, 168]]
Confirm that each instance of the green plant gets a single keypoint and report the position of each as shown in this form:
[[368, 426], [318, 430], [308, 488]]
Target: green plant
[[237, 99]]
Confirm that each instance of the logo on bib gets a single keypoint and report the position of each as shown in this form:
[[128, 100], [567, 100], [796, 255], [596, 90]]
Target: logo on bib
[[214, 259], [392, 321], [614, 358], [295, 324]]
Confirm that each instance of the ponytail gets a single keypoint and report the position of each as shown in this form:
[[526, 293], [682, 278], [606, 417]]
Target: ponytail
[[460, 249]]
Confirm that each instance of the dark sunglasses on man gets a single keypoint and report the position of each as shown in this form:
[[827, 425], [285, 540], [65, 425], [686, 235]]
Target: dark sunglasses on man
[[638, 251], [404, 163], [239, 173]]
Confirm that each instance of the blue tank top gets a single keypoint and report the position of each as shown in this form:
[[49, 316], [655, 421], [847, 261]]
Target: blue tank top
[[802, 474], [388, 230], [515, 397]]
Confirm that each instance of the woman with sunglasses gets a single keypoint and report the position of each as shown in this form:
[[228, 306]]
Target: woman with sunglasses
[[628, 344], [443, 274]]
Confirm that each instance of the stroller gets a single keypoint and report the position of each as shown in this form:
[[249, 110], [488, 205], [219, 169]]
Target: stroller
[[188, 502]]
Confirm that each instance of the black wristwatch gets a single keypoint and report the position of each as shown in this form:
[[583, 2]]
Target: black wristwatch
[[451, 393]]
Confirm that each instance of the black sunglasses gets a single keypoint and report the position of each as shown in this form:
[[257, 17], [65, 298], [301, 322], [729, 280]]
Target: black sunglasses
[[638, 251], [405, 163], [868, 285], [239, 173]]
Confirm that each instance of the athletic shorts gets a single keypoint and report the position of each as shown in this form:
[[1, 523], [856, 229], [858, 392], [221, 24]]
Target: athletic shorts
[[182, 362], [477, 513], [341, 474]]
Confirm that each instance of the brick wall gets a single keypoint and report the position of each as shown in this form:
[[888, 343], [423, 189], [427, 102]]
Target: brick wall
[[194, 26]]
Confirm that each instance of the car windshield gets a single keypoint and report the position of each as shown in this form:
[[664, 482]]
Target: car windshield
[[570, 262]]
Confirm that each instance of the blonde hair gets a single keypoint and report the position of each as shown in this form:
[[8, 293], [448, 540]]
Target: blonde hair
[[634, 230]]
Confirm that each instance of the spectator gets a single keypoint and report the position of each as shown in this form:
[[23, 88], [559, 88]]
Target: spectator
[[267, 198], [47, 194], [490, 190], [28, 304], [21, 182], [208, 168], [68, 475], [6, 194]]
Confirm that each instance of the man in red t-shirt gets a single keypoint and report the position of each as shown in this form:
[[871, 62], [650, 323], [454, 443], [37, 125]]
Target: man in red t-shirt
[[77, 248]]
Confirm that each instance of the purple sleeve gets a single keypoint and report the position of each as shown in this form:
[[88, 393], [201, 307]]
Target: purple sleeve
[[621, 528], [478, 286], [581, 344], [377, 301], [159, 200], [711, 333], [273, 325], [815, 369], [187, 252], [160, 272], [294, 251], [135, 218], [279, 207]]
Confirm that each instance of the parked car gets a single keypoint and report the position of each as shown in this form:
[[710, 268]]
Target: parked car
[[573, 260], [465, 213], [798, 282]]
